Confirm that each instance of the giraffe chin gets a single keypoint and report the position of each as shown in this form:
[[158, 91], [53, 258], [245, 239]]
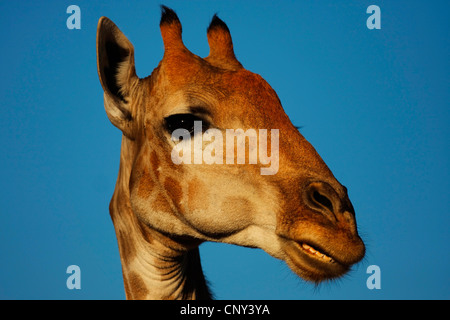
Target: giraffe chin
[[312, 264]]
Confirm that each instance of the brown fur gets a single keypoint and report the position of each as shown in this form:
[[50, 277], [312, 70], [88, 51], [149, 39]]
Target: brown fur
[[162, 211]]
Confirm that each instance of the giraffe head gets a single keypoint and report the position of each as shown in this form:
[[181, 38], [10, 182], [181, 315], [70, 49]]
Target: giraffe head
[[297, 212]]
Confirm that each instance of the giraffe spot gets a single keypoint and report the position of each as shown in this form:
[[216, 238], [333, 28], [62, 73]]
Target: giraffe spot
[[128, 293], [174, 190], [145, 232], [196, 196], [145, 185], [137, 286], [238, 209], [160, 203], [127, 248], [154, 160]]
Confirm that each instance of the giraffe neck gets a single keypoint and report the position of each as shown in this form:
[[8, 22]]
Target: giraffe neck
[[154, 266]]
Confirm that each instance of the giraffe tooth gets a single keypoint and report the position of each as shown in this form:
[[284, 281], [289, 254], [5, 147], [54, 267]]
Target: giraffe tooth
[[317, 253]]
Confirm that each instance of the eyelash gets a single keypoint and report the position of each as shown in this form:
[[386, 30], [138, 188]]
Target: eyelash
[[184, 121]]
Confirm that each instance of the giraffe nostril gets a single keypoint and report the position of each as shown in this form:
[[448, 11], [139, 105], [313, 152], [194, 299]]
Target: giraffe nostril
[[322, 200], [321, 197]]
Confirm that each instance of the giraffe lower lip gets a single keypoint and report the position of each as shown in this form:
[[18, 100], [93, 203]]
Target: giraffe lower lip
[[311, 263]]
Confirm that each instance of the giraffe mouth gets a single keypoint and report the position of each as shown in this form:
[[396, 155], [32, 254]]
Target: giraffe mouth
[[313, 263]]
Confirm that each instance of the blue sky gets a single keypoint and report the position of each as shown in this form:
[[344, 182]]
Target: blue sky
[[374, 103]]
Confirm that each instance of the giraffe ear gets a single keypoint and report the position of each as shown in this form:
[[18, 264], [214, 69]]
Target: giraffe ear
[[116, 70], [221, 52]]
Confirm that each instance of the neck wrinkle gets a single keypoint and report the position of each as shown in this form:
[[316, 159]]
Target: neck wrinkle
[[158, 271]]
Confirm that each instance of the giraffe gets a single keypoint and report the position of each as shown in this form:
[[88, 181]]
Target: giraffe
[[162, 211]]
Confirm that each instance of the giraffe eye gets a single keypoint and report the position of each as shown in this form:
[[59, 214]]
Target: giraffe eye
[[185, 121]]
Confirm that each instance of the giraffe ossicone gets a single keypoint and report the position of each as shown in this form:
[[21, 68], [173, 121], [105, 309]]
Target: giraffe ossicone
[[162, 210]]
